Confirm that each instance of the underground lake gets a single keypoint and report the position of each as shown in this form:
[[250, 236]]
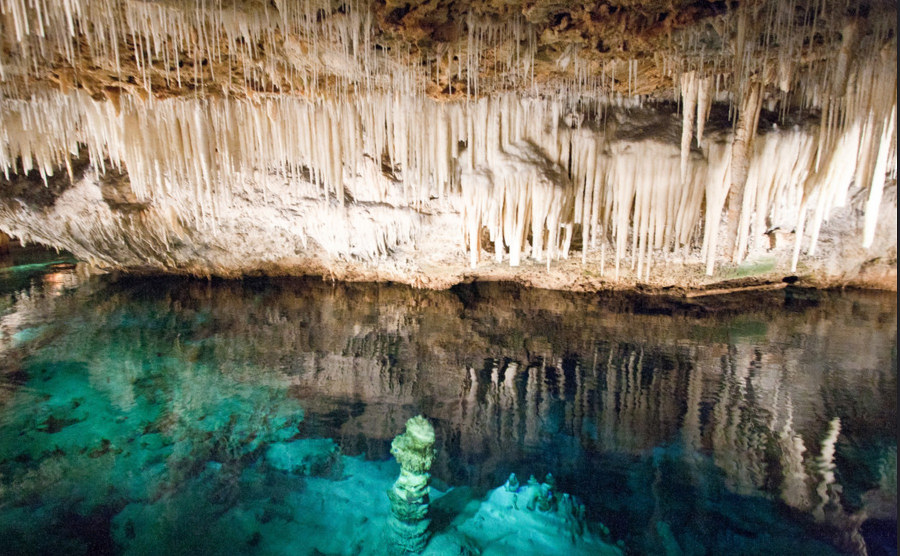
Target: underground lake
[[160, 415]]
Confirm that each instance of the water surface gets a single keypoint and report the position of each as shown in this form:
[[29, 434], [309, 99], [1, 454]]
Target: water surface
[[136, 414]]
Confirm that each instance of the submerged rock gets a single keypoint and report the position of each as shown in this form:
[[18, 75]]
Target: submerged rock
[[519, 519], [319, 457]]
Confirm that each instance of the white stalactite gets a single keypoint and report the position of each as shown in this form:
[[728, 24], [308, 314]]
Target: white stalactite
[[689, 96]]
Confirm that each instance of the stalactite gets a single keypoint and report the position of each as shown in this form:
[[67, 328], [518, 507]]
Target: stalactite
[[740, 163], [876, 190], [704, 104], [689, 96]]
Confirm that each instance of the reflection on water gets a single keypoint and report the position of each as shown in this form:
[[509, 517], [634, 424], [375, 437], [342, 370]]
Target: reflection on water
[[751, 424]]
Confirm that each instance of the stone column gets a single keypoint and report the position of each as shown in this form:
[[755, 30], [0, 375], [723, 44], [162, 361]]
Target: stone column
[[414, 451]]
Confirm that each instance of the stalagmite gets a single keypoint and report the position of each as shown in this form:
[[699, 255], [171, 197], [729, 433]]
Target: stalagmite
[[409, 522]]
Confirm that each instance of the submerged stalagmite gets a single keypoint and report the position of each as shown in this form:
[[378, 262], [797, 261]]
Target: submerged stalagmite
[[427, 143], [409, 522]]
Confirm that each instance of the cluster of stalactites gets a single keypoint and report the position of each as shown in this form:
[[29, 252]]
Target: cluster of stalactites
[[854, 89], [317, 47], [528, 170], [154, 39], [207, 150], [803, 49], [333, 48]]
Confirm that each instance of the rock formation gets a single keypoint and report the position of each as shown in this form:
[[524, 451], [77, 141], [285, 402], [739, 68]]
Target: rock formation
[[414, 450]]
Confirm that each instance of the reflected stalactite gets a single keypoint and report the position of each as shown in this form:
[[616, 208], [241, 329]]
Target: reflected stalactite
[[738, 433], [830, 508], [827, 488], [795, 484], [691, 433]]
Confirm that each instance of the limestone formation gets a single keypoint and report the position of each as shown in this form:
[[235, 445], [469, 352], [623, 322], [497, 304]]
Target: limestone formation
[[414, 451]]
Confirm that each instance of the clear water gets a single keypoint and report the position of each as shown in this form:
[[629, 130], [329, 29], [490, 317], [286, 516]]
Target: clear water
[[143, 416]]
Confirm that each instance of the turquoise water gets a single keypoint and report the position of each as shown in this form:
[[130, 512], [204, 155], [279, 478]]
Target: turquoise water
[[170, 416]]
